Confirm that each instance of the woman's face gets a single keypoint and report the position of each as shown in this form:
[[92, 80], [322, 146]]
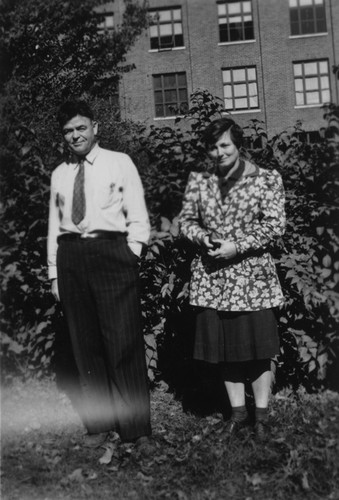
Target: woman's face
[[224, 152]]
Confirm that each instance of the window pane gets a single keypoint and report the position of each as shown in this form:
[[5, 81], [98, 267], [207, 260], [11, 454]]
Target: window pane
[[324, 81], [158, 97], [305, 3], [221, 9], [182, 79], [312, 98], [246, 6], [240, 90], [252, 89], [297, 70], [228, 103], [323, 65], [183, 95], [321, 25], [298, 85], [165, 29], [325, 96], [178, 29], [227, 91], [169, 81], [251, 74], [310, 68], [164, 15], [240, 103], [226, 75], [319, 2], [170, 96], [234, 8], [169, 111], [153, 31], [293, 3], [299, 98], [177, 14], [109, 21], [311, 84], [239, 75], [247, 18], [157, 82], [254, 102], [159, 110], [235, 19]]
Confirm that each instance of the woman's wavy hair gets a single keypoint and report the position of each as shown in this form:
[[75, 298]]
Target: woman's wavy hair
[[214, 131]]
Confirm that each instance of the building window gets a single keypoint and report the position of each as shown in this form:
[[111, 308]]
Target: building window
[[311, 82], [240, 88], [307, 16], [235, 21], [106, 24], [166, 29], [170, 94]]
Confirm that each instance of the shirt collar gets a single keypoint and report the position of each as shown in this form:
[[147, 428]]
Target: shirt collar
[[90, 157]]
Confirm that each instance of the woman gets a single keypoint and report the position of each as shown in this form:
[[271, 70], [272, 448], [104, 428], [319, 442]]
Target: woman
[[235, 214]]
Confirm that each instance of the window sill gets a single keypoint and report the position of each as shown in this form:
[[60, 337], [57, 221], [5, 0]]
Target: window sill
[[167, 50], [242, 111], [302, 106], [220, 44], [308, 35], [157, 118]]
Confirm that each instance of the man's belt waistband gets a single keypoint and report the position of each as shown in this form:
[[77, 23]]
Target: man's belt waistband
[[99, 235]]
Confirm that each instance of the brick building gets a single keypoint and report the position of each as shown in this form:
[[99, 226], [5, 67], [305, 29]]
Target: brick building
[[269, 60]]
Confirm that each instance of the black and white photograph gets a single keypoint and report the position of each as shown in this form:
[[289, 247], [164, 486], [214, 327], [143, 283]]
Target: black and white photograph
[[169, 249]]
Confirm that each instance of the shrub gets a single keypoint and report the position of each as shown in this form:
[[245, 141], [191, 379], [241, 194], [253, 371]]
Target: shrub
[[307, 260]]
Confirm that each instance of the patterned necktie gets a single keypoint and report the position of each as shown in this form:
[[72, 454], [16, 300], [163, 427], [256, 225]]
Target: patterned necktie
[[79, 201]]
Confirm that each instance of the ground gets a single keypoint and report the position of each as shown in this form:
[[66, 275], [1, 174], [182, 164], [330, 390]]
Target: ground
[[188, 457]]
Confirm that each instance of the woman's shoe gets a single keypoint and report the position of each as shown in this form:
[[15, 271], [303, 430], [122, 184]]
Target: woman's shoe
[[261, 431], [233, 426]]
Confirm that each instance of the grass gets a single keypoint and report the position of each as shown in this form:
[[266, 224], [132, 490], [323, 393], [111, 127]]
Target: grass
[[188, 458]]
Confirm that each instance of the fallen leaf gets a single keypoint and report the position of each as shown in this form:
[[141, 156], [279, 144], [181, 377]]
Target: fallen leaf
[[196, 439], [181, 495], [76, 475], [144, 478], [254, 480], [304, 482], [107, 456]]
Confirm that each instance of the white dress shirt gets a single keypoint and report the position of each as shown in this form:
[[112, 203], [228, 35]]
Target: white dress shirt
[[114, 201]]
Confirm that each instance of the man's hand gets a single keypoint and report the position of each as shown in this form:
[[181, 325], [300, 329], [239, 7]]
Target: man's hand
[[55, 289], [227, 250]]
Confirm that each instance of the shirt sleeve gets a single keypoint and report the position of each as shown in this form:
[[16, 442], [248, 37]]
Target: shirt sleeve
[[53, 230], [189, 217], [137, 220], [271, 225]]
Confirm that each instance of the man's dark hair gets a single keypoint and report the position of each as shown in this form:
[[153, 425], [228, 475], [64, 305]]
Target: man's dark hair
[[214, 131], [70, 109]]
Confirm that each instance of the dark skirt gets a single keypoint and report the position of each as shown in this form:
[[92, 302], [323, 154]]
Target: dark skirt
[[235, 336]]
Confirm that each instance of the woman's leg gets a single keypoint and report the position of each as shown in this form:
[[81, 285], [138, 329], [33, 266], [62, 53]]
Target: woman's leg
[[261, 379], [234, 380], [235, 392], [261, 389]]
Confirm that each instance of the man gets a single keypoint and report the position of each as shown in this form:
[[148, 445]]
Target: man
[[98, 223]]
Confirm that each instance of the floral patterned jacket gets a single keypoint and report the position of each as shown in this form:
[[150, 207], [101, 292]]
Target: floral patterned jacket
[[253, 217]]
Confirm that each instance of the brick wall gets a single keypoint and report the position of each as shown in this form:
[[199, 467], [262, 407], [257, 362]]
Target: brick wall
[[272, 52]]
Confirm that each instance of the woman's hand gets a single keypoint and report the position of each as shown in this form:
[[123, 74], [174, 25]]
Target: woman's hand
[[227, 250], [55, 289]]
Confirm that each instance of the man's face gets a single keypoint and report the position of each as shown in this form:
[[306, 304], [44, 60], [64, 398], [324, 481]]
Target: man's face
[[80, 134]]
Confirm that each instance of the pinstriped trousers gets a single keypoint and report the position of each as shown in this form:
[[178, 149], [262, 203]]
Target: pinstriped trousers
[[99, 290]]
